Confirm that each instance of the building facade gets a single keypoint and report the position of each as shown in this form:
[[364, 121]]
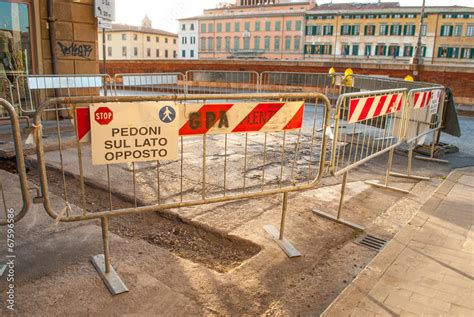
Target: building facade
[[33, 43], [188, 39], [139, 42], [253, 29], [386, 32], [372, 32]]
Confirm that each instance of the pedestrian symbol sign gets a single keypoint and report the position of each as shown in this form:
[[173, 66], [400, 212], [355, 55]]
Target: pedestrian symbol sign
[[167, 114], [138, 132]]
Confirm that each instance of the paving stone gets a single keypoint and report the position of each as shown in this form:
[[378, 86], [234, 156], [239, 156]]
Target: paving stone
[[428, 268]]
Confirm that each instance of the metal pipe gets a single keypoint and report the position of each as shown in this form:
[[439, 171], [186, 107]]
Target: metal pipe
[[105, 240], [343, 191], [283, 215], [52, 36]]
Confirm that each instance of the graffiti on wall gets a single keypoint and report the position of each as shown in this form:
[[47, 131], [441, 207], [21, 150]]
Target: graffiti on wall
[[75, 50]]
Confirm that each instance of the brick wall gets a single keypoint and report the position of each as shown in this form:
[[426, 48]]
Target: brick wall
[[460, 80], [76, 37]]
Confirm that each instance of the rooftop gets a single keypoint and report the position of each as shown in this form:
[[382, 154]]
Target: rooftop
[[140, 29]]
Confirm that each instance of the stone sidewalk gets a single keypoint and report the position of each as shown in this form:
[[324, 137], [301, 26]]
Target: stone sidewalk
[[428, 268]]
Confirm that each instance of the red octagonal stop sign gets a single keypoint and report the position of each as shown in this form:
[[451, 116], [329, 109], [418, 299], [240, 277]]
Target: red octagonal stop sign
[[103, 115]]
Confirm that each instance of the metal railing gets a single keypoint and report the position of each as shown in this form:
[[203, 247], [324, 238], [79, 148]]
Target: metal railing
[[213, 82], [149, 84]]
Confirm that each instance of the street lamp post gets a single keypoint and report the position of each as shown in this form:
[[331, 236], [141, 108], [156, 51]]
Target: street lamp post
[[416, 60]]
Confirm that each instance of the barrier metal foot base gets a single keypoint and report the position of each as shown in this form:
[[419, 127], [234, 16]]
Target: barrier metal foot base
[[381, 185], [431, 159], [3, 267], [341, 221], [421, 178], [284, 244], [111, 279]]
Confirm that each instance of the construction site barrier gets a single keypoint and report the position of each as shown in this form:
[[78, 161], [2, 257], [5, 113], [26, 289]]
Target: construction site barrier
[[32, 90], [20, 163], [332, 85], [366, 125], [228, 82], [149, 84], [424, 117], [244, 166]]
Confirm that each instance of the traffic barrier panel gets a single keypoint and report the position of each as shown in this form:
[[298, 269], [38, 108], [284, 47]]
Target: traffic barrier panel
[[424, 117], [367, 125], [32, 90], [228, 82], [230, 147], [149, 84]]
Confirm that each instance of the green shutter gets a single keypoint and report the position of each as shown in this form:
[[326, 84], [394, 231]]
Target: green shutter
[[405, 27], [450, 52], [365, 29], [440, 51], [442, 30], [385, 51], [391, 29], [451, 30], [342, 28], [413, 30], [331, 28], [462, 52]]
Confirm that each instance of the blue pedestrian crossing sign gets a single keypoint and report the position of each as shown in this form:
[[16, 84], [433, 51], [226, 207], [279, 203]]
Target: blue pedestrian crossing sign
[[167, 114]]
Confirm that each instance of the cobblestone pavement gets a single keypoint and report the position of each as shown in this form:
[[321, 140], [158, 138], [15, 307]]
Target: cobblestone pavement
[[428, 268]]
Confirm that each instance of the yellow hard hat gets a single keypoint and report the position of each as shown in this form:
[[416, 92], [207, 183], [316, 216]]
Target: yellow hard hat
[[409, 78]]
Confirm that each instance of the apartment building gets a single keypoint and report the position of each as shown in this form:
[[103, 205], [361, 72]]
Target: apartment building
[[139, 42], [188, 39], [253, 29], [388, 32], [374, 32]]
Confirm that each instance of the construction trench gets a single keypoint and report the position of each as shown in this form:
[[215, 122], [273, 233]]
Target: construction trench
[[213, 259]]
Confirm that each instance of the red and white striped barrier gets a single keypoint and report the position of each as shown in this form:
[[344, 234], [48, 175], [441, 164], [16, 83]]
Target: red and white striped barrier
[[223, 118], [367, 108], [240, 117], [421, 99]]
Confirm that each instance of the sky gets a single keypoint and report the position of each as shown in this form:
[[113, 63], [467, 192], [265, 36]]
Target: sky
[[164, 13]]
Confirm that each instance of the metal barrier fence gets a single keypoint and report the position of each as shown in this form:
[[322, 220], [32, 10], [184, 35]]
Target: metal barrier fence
[[367, 125], [424, 117], [32, 90], [372, 82], [213, 82], [149, 84], [20, 163], [244, 165], [332, 85]]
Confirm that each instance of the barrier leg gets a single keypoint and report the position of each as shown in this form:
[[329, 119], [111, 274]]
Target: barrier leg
[[102, 264], [387, 177], [409, 169], [278, 236], [338, 218], [432, 158]]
